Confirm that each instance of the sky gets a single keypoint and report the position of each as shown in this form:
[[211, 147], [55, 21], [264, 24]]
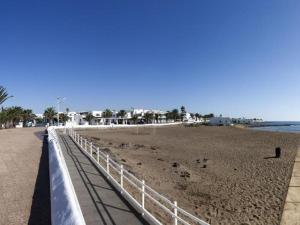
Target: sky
[[236, 58]]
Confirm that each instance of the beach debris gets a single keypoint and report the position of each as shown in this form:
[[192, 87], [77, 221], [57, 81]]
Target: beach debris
[[110, 143], [123, 160], [137, 146], [277, 152], [154, 148], [198, 161], [185, 174], [123, 145], [139, 164], [204, 166], [159, 159], [107, 150], [175, 164]]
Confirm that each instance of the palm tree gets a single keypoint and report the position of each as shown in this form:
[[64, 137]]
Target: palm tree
[[89, 117], [193, 115], [14, 115], [3, 118], [183, 113], [63, 117], [107, 113], [27, 116], [175, 114], [148, 117], [168, 116], [156, 116], [197, 115], [3, 95], [121, 113], [49, 114], [135, 118]]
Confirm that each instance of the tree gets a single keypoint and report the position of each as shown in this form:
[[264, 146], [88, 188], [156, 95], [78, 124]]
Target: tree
[[28, 115], [183, 113], [3, 118], [67, 110], [135, 118], [49, 114], [209, 115], [107, 113], [3, 95], [89, 117], [121, 113], [63, 117], [14, 115], [148, 117], [198, 116], [193, 115], [175, 114], [168, 116]]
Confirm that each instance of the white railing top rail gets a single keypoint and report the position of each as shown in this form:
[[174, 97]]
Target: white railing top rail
[[161, 201]]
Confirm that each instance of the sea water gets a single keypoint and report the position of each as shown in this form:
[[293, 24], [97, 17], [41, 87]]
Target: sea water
[[282, 126]]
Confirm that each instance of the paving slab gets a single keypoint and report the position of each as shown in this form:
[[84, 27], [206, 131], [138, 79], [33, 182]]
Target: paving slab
[[291, 215], [99, 201], [291, 212]]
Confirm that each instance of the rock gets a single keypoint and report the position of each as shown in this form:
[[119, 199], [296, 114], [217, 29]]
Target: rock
[[185, 174], [175, 164], [139, 163]]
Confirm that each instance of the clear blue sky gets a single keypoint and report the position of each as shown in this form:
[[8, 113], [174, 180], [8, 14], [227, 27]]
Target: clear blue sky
[[236, 58]]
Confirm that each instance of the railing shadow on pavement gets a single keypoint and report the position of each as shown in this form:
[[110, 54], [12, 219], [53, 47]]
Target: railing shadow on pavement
[[93, 192]]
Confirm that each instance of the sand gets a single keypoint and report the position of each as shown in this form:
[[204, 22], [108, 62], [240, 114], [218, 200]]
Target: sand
[[224, 175], [24, 180]]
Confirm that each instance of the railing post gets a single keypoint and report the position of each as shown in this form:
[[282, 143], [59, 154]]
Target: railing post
[[81, 141], [175, 213], [107, 165], [85, 143], [121, 180], [91, 149], [143, 195], [98, 155]]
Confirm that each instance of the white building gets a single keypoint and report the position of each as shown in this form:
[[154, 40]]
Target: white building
[[220, 121]]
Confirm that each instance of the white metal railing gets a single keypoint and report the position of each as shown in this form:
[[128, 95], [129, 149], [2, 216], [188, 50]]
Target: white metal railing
[[116, 174]]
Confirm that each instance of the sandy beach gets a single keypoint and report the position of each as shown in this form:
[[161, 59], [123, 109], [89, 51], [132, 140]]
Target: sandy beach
[[224, 175], [24, 180]]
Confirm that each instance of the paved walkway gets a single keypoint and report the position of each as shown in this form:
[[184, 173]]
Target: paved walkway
[[99, 201], [291, 213], [24, 180]]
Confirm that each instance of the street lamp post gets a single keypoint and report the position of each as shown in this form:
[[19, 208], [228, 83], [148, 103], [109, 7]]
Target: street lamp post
[[59, 100]]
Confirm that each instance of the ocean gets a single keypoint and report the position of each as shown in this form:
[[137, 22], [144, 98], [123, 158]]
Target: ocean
[[279, 126]]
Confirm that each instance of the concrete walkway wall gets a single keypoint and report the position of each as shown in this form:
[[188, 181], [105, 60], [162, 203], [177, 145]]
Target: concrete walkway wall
[[65, 208]]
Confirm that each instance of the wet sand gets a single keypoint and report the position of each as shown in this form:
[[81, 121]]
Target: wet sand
[[223, 175]]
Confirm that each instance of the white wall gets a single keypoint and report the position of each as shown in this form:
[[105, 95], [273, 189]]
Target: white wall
[[65, 208]]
